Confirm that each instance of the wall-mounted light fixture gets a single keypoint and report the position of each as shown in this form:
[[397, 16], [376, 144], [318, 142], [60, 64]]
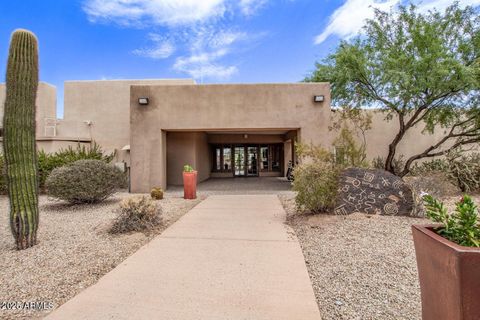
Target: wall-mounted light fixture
[[143, 101], [320, 98], [245, 136]]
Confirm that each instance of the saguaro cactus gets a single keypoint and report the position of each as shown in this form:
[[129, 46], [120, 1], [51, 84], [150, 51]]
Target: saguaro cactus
[[19, 137]]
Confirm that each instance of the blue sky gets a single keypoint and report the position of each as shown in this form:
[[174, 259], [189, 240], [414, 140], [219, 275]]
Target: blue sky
[[213, 41]]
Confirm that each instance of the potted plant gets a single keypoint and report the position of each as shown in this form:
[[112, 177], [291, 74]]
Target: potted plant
[[448, 260], [189, 182]]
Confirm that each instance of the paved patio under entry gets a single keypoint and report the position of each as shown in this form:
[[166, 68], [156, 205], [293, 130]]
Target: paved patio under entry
[[250, 185], [231, 257]]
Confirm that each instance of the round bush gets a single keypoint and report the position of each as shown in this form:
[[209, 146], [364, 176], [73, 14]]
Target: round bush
[[85, 181]]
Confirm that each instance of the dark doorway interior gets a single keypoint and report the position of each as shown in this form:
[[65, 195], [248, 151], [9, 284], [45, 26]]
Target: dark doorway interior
[[248, 160]]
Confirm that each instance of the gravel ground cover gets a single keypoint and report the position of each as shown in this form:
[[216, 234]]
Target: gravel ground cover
[[74, 250], [361, 266]]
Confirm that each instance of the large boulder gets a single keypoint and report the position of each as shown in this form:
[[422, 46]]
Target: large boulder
[[373, 191]]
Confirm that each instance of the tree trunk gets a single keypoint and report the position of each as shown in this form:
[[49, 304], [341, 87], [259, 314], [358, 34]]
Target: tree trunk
[[19, 137], [392, 147]]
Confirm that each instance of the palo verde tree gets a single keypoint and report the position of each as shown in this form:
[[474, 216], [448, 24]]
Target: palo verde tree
[[420, 69], [19, 137]]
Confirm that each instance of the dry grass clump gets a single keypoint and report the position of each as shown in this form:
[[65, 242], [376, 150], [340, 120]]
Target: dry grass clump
[[138, 213]]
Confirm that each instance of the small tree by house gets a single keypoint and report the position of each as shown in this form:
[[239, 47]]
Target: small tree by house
[[418, 68]]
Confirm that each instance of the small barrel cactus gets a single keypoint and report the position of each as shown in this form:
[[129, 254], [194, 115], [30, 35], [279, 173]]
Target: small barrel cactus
[[19, 137], [157, 193]]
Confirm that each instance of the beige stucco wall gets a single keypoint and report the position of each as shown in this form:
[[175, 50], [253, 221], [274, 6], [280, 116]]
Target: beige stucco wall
[[187, 148], [243, 107], [106, 104], [46, 105], [202, 156], [383, 131]]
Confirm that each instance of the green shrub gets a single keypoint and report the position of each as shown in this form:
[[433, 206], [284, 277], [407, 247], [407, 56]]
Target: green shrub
[[49, 161], [462, 226], [137, 213], [85, 181], [156, 193], [316, 183]]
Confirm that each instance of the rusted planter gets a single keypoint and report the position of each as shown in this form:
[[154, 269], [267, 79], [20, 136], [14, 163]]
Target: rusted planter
[[190, 185], [449, 276]]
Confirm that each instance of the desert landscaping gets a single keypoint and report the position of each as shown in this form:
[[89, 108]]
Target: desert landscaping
[[361, 266], [75, 249]]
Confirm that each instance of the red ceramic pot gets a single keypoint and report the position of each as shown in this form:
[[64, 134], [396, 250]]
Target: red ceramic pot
[[190, 185], [449, 276]]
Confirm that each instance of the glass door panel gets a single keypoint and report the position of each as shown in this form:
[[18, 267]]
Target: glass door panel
[[264, 158], [227, 159], [239, 159], [252, 161]]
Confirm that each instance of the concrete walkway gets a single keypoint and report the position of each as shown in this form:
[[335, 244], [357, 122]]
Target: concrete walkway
[[231, 257]]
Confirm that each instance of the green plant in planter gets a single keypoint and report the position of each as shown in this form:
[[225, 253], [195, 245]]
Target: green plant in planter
[[462, 226], [188, 168]]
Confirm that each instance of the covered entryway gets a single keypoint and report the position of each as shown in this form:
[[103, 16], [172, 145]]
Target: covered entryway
[[181, 124], [250, 153], [244, 153]]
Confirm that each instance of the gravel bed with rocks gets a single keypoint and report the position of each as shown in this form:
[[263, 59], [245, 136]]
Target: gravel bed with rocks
[[74, 250], [361, 266]]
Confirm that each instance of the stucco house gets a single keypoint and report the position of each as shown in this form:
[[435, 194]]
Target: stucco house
[[222, 130]]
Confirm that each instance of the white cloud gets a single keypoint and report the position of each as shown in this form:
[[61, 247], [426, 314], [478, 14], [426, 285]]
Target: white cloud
[[348, 20], [250, 7], [161, 49], [195, 28], [161, 12], [207, 48], [208, 70]]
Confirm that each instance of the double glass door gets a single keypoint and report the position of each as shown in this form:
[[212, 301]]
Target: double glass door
[[246, 161]]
